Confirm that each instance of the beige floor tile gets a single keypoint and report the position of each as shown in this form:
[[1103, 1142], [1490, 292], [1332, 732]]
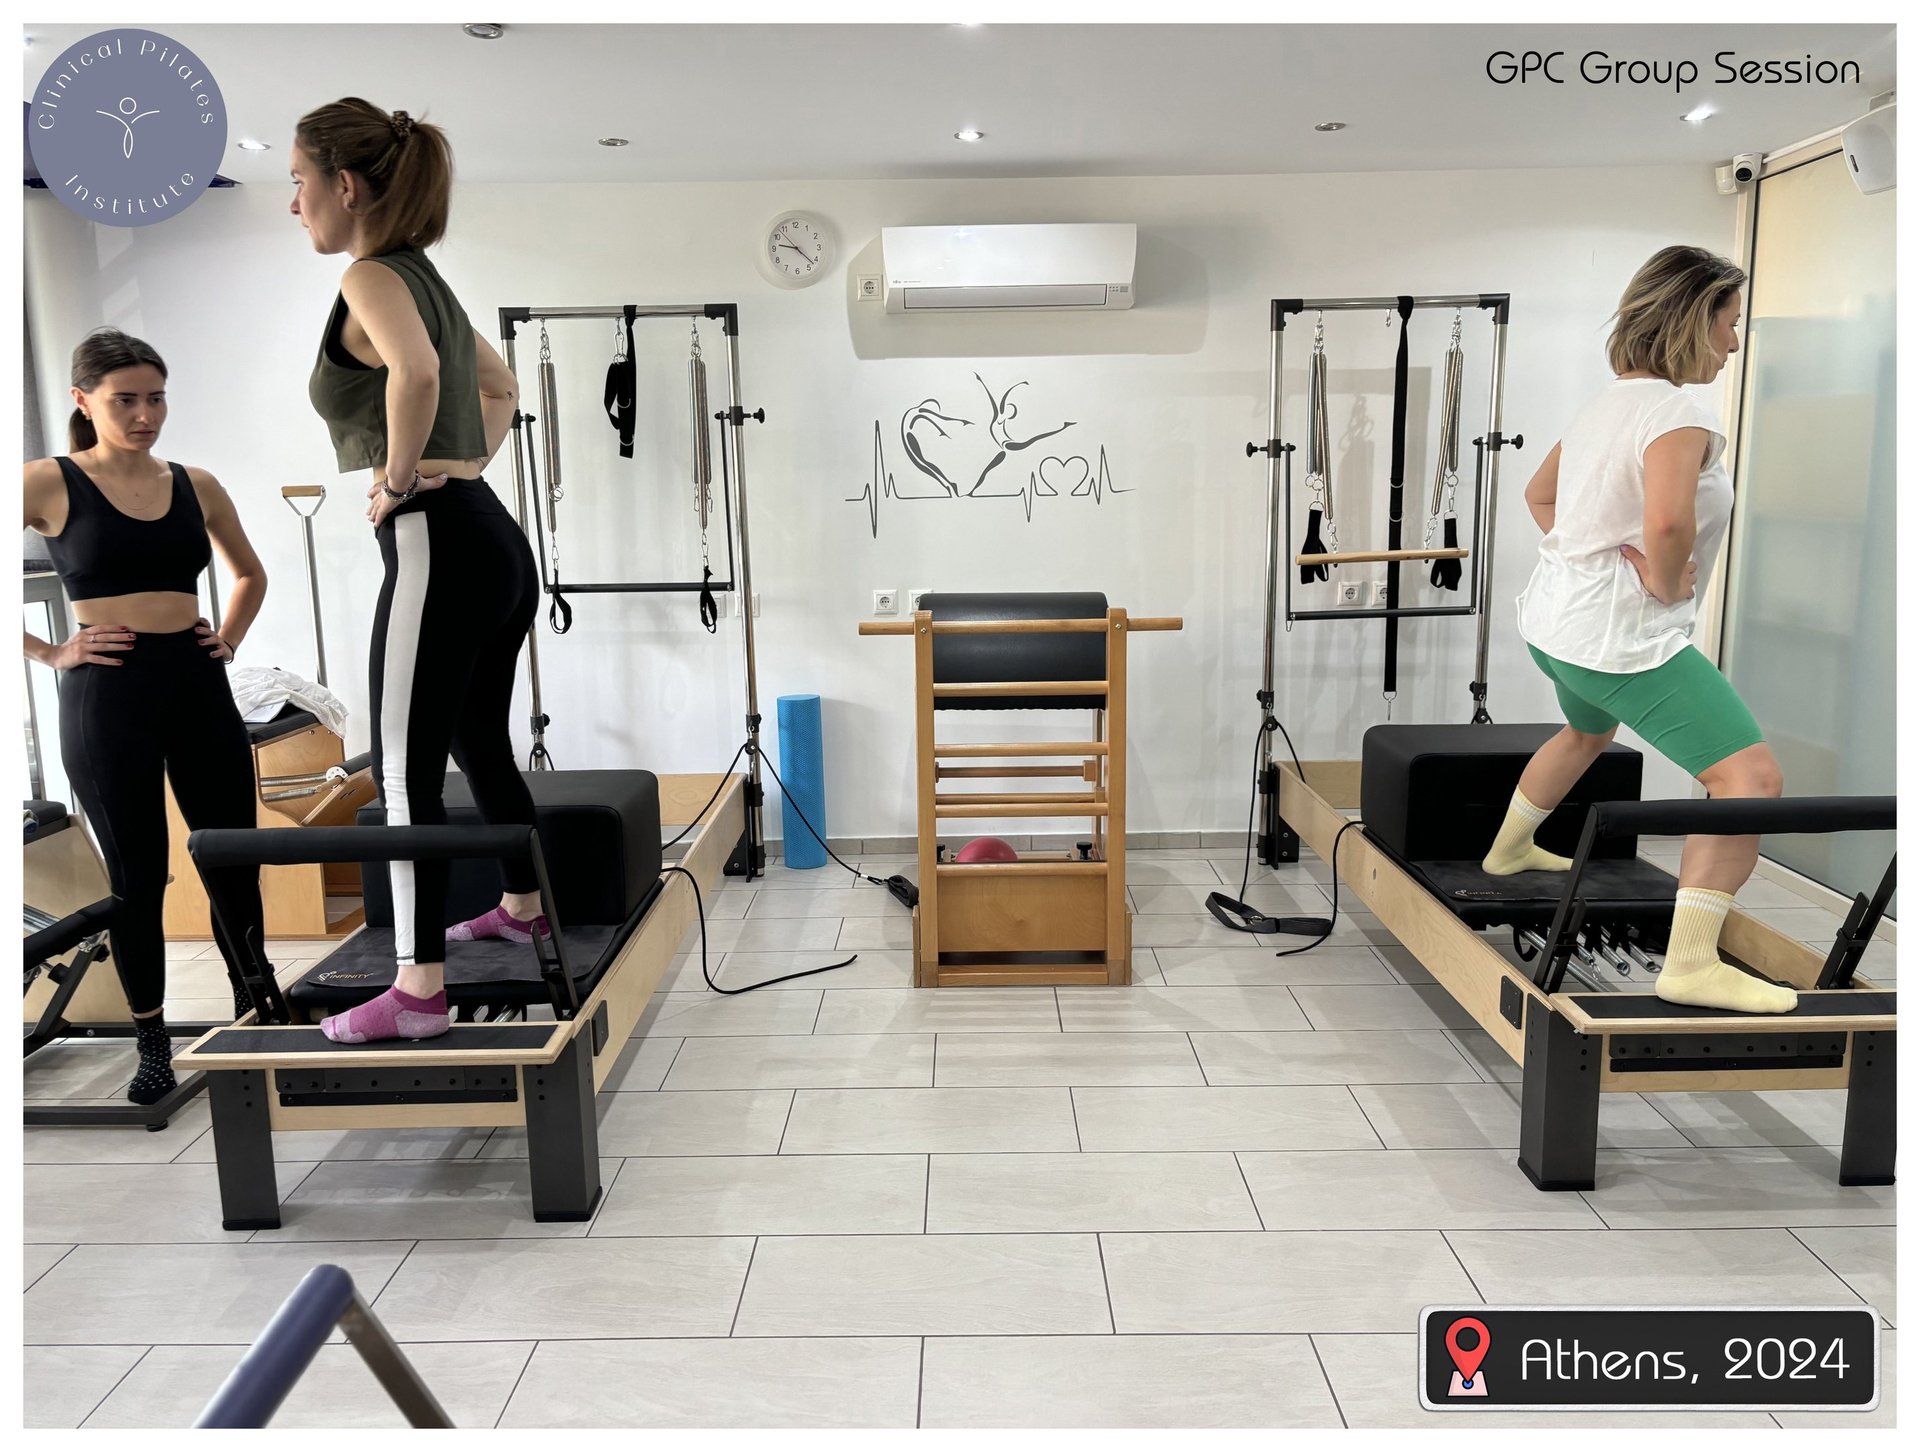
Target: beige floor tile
[[826, 1061], [1180, 1010], [470, 1379], [1763, 1117], [1376, 1379], [1124, 1382], [872, 968], [768, 1195], [924, 1285], [37, 1260], [1646, 1268], [557, 1290], [142, 1295], [858, 934], [1278, 1282], [1487, 1116], [930, 1121], [1861, 1255], [708, 1015], [811, 1381], [1010, 1060], [112, 1145], [1256, 1117], [642, 1064], [1255, 967], [1333, 1056], [419, 1200], [1405, 1190], [1884, 1415], [710, 1122], [1368, 1007], [132, 1204], [1706, 1189], [1018, 1194], [940, 1010], [1191, 899], [767, 935], [61, 1385], [1486, 1055], [863, 901]]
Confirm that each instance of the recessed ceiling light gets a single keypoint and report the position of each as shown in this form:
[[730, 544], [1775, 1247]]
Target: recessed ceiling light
[[1698, 114], [969, 134], [254, 146], [1330, 126], [613, 141], [486, 31]]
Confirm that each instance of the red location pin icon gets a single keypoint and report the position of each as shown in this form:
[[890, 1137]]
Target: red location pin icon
[[1467, 1362]]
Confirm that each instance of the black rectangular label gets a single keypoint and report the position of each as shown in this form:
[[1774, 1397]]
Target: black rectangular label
[[1490, 1358]]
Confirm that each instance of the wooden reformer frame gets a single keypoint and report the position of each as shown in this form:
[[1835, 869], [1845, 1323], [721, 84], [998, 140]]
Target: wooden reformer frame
[[1574, 1046], [538, 1075], [1051, 917]]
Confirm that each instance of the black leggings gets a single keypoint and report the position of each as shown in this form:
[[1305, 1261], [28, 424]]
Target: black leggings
[[458, 600], [165, 714]]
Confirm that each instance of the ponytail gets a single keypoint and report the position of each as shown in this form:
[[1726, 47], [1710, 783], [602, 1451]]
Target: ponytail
[[406, 164], [81, 434]]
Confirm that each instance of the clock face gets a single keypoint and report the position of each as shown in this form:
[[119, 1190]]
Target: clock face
[[798, 249]]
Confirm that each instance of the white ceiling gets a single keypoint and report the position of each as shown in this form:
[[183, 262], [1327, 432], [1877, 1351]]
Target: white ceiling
[[743, 102]]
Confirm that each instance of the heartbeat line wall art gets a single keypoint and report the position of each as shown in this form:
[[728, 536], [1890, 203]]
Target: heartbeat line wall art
[[954, 456]]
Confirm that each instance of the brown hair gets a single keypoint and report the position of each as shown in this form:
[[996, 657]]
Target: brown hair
[[407, 164], [1665, 320], [103, 351]]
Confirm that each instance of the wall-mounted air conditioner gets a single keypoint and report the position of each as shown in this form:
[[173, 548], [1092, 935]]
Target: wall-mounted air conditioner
[[1084, 265]]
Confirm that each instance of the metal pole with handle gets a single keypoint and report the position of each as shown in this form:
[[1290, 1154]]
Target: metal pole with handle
[[297, 497]]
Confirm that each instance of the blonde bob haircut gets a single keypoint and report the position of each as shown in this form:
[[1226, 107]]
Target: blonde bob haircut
[[1664, 325]]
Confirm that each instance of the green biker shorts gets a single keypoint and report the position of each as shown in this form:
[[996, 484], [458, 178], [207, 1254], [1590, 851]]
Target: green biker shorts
[[1685, 709]]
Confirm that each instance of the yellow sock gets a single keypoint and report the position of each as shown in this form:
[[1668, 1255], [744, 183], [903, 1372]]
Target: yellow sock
[[1513, 850], [1693, 972]]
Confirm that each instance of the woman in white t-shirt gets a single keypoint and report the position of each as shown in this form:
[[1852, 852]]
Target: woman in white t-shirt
[[1635, 501]]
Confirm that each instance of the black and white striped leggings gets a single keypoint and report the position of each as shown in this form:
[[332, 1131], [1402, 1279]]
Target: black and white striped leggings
[[459, 596]]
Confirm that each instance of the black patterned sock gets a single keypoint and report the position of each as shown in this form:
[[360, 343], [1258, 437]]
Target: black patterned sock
[[155, 1079]]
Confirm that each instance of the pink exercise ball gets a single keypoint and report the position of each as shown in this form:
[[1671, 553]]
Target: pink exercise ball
[[986, 849]]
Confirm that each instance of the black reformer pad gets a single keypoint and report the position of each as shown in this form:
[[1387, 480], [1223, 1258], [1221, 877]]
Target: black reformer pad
[[600, 837], [1433, 798]]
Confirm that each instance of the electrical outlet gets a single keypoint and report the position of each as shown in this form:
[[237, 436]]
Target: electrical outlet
[[886, 602], [1350, 592], [867, 287], [1378, 589], [913, 598], [733, 604]]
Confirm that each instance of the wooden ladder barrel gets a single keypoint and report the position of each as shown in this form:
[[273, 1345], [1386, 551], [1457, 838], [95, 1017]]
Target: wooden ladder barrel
[[1050, 917]]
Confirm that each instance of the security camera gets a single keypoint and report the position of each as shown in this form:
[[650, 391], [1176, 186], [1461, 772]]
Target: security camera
[[1742, 172]]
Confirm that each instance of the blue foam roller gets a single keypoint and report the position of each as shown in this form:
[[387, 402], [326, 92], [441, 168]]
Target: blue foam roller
[[803, 771]]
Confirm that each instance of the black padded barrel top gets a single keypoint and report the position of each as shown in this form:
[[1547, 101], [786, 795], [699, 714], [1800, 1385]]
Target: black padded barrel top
[[972, 659]]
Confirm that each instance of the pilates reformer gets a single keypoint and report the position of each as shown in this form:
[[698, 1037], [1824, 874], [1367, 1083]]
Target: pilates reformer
[[69, 989], [1050, 917], [1431, 797], [537, 1029], [1315, 557], [537, 502]]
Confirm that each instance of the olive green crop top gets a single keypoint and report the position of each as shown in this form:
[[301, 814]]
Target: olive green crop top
[[352, 397]]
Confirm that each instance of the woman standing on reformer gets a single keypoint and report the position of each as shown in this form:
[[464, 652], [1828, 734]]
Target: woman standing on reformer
[[1635, 501], [410, 390]]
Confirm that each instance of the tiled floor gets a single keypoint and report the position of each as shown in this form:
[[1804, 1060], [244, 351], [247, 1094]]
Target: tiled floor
[[1218, 1198]]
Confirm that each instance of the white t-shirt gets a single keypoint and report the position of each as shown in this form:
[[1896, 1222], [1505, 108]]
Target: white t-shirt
[[1586, 604]]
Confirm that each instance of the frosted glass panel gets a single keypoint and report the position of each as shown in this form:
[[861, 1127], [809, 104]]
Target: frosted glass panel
[[1809, 637]]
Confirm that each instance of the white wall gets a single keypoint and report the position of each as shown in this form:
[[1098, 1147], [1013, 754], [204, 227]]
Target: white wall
[[235, 300]]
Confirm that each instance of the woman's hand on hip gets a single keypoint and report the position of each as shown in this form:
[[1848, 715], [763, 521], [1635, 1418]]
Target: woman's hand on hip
[[216, 644], [380, 503], [1689, 577], [93, 645]]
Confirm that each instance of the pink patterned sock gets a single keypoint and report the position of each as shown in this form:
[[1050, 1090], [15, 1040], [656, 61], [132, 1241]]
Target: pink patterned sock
[[496, 924], [393, 1015]]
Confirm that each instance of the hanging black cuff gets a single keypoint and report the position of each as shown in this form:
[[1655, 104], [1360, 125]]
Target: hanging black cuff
[[560, 613], [709, 607]]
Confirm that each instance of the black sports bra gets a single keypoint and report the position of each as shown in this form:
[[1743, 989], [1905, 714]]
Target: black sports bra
[[104, 551]]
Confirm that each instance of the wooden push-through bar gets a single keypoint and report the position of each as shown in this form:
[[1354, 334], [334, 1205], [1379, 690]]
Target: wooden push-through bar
[[1024, 627]]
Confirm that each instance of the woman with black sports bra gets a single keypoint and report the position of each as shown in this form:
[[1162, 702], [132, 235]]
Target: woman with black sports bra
[[142, 692], [412, 392]]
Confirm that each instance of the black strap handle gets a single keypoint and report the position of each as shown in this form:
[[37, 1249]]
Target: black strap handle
[[1396, 494]]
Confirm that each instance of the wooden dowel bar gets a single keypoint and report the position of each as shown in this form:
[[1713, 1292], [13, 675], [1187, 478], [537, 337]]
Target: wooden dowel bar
[[1082, 749], [1020, 688], [301, 491], [1374, 557], [1008, 771], [1012, 799], [1023, 627], [1097, 809]]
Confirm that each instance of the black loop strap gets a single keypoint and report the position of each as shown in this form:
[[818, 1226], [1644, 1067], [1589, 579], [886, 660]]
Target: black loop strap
[[709, 607], [560, 613], [1313, 545], [1446, 573], [1396, 492]]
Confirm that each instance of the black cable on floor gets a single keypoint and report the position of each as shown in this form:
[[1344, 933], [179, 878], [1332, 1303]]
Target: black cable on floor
[[707, 973], [1334, 863]]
